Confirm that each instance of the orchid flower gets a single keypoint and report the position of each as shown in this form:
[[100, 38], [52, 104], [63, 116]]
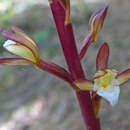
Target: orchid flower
[[106, 81], [22, 45]]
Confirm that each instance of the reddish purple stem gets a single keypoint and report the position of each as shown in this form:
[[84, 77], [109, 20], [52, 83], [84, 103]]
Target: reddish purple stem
[[86, 108], [66, 36], [67, 40]]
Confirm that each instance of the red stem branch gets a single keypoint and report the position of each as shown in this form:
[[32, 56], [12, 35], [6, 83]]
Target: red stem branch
[[56, 70], [87, 41]]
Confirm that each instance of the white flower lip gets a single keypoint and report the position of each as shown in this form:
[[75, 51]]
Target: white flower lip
[[111, 94], [8, 42]]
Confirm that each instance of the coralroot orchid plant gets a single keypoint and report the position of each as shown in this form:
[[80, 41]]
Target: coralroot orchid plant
[[105, 83]]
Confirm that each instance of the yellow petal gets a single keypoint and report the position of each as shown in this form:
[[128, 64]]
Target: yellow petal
[[26, 40], [84, 85], [106, 79], [19, 50], [99, 73]]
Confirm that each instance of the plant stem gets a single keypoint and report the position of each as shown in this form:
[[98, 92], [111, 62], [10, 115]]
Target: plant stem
[[87, 113], [66, 36], [67, 40]]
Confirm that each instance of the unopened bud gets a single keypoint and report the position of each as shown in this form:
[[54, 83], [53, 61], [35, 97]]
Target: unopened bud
[[96, 22]]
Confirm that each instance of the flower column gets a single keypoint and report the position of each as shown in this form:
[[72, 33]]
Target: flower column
[[61, 13]]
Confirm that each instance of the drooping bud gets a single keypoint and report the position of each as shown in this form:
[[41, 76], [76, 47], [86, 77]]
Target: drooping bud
[[96, 22]]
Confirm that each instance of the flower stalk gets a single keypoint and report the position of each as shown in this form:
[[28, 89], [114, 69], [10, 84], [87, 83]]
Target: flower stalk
[[57, 71]]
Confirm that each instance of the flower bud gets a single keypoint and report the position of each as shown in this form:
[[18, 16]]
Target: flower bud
[[96, 22]]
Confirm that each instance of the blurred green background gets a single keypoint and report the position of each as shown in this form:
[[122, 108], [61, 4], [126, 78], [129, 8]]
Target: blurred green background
[[31, 99]]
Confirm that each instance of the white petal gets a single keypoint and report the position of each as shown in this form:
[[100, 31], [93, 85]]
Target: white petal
[[8, 42], [111, 94]]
